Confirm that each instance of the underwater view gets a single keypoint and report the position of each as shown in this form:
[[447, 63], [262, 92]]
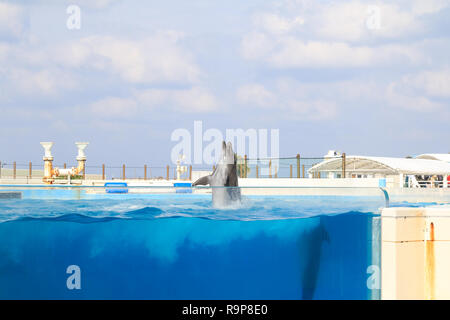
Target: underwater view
[[179, 247]]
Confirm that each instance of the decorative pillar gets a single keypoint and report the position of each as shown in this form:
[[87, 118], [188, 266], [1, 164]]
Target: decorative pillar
[[81, 157], [48, 162]]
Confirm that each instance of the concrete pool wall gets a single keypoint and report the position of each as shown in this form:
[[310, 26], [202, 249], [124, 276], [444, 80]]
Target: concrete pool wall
[[267, 186], [415, 253]]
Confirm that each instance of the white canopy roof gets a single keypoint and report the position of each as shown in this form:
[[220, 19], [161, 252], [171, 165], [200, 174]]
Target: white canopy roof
[[435, 156], [384, 165]]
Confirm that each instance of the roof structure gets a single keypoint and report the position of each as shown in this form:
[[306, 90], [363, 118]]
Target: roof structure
[[384, 165], [435, 156]]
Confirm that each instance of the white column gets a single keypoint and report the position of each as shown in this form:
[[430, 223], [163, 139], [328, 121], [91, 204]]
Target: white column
[[48, 161], [81, 157]]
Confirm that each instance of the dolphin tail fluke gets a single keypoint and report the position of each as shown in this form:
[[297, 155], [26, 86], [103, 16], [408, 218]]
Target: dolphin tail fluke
[[203, 181]]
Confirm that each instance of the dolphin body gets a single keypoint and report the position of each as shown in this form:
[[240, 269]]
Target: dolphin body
[[225, 175]]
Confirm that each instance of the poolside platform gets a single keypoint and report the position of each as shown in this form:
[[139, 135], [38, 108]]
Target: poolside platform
[[415, 253], [258, 187]]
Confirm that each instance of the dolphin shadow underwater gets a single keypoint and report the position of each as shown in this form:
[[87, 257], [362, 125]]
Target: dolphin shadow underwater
[[224, 180], [310, 243]]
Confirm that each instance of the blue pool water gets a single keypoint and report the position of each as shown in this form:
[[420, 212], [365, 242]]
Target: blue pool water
[[178, 247]]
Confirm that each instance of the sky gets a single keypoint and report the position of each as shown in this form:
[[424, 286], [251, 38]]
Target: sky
[[361, 77]]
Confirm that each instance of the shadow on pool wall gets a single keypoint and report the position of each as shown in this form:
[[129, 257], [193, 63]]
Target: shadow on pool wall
[[322, 257]]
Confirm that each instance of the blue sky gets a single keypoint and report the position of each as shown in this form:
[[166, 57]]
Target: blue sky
[[137, 70]]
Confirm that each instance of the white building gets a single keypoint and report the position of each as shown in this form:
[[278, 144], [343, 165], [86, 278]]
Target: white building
[[406, 172]]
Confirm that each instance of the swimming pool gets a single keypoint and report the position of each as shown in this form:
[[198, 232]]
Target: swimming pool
[[176, 246]]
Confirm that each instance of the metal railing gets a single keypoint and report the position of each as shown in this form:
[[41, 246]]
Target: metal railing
[[437, 181], [288, 167]]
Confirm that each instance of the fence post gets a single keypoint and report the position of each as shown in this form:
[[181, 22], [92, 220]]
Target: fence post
[[298, 165], [84, 172], [65, 166], [103, 171], [123, 172], [257, 174], [303, 170], [30, 169], [276, 172], [190, 172], [245, 166], [270, 168], [167, 172], [145, 172], [343, 165], [14, 170], [290, 171]]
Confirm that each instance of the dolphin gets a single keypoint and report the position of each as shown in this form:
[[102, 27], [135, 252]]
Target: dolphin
[[224, 180]]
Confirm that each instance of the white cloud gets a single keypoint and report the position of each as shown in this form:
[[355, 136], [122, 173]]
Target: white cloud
[[420, 7], [411, 101], [195, 99], [433, 83], [142, 102], [156, 59], [291, 99], [114, 107], [421, 91], [255, 94], [159, 59], [290, 51], [44, 82], [336, 34], [12, 20], [288, 99], [348, 20], [99, 4], [276, 24]]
